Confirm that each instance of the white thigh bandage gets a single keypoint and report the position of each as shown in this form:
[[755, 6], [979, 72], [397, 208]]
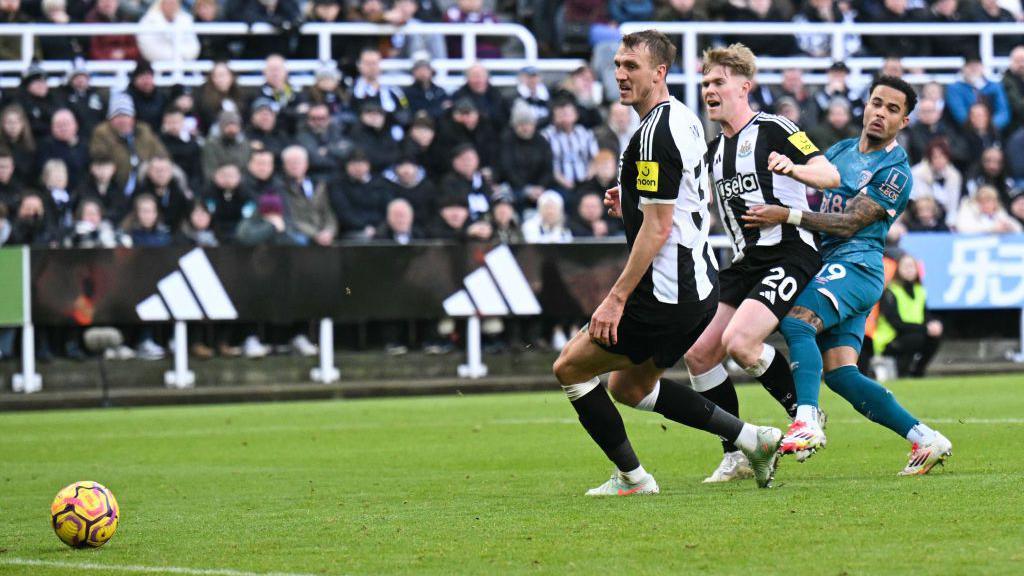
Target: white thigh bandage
[[762, 364], [710, 379], [577, 391]]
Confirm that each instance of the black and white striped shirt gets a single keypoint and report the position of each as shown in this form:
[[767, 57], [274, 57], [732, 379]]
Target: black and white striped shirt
[[571, 151], [739, 170], [664, 164]]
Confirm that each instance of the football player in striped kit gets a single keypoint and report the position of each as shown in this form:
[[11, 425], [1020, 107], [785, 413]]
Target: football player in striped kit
[[667, 293], [758, 158]]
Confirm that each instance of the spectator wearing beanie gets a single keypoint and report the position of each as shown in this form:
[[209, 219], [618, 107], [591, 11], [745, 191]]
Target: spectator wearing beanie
[[128, 142], [505, 220], [452, 221], [263, 133], [408, 181], [149, 100], [37, 100], [417, 144], [424, 95], [87, 103], [359, 199], [267, 225], [464, 125], [228, 146], [525, 161], [372, 136]]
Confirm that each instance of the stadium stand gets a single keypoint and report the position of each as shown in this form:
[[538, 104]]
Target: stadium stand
[[287, 122]]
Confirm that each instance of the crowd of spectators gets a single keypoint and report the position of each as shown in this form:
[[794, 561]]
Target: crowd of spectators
[[353, 159]]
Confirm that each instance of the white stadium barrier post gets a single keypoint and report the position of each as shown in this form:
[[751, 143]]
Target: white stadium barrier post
[[326, 372], [28, 381], [474, 366], [180, 377]]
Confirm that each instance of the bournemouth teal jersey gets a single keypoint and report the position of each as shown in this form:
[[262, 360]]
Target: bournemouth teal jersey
[[884, 176]]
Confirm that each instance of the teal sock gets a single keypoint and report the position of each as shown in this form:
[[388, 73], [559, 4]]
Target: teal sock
[[870, 399], [805, 359]]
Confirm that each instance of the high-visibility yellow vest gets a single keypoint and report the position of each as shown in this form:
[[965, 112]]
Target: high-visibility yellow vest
[[909, 307]]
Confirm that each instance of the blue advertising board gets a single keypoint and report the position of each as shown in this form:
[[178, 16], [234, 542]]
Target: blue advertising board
[[970, 271]]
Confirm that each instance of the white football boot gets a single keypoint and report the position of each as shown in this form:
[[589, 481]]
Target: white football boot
[[734, 466], [802, 455], [765, 456], [618, 486], [924, 457]]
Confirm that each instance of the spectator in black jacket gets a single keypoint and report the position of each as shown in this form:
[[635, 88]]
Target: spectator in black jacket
[[227, 201], [486, 98], [929, 126], [525, 159], [762, 44], [359, 199], [31, 227], [948, 12], [260, 179], [367, 87], [183, 148], [424, 94], [990, 12], [38, 102], [417, 145], [465, 125], [324, 142], [159, 181], [64, 144], [372, 136], [467, 180], [409, 182], [10, 187], [88, 105], [263, 132], [452, 221], [149, 100], [589, 221], [100, 184], [284, 15], [400, 223], [897, 12]]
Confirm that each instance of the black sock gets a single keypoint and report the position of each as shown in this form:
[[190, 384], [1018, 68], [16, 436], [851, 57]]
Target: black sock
[[778, 381], [604, 424], [684, 405], [724, 395]]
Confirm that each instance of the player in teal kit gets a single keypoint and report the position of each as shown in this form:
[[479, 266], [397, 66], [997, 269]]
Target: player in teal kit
[[825, 328]]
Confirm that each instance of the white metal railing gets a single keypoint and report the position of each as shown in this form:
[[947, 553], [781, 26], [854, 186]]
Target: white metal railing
[[189, 72], [690, 76]]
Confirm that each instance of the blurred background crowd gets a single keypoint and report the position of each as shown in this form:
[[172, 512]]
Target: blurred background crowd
[[351, 158]]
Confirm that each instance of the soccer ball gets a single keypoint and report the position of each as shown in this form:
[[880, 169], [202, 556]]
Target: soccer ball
[[84, 515]]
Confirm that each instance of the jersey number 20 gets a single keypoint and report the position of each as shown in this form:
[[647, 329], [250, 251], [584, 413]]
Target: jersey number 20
[[786, 288]]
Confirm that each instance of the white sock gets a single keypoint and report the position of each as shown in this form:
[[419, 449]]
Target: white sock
[[807, 413], [747, 440], [710, 379], [763, 362], [648, 402], [921, 434], [634, 476], [577, 391]]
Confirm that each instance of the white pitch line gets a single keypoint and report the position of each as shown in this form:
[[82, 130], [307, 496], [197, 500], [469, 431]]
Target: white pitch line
[[104, 568]]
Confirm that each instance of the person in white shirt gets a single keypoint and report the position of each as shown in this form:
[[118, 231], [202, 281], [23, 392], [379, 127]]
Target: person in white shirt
[[168, 24]]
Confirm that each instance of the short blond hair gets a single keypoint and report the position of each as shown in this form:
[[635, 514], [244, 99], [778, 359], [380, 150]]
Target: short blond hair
[[736, 57]]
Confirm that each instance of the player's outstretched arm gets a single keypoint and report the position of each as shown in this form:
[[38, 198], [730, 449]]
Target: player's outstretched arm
[[860, 211], [653, 234], [818, 172]]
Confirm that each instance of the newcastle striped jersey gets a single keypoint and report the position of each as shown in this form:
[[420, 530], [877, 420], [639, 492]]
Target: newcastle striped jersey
[[739, 170], [664, 164]]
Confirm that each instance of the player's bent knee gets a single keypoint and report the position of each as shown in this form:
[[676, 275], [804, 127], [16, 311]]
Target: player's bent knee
[[742, 348], [795, 328], [566, 369], [625, 394]]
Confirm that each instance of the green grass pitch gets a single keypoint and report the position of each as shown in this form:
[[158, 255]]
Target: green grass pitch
[[493, 485]]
